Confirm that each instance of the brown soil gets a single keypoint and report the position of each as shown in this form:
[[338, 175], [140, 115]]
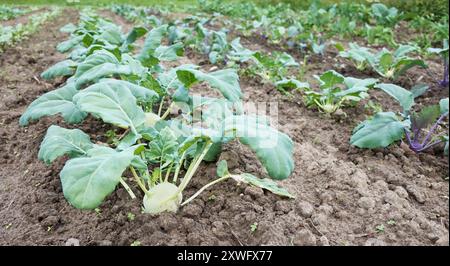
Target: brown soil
[[342, 193]]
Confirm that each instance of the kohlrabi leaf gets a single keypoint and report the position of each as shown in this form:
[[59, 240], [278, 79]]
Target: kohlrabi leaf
[[379, 132], [141, 93], [163, 147], [63, 68], [330, 78], [386, 62], [425, 117], [102, 71], [88, 180], [404, 64], [265, 183], [355, 82], [113, 103], [169, 53], [69, 44], [135, 34], [69, 28], [97, 58], [152, 41], [402, 50], [60, 141], [273, 148], [291, 84], [222, 168], [129, 140], [443, 104], [54, 102], [226, 81], [404, 97], [419, 89]]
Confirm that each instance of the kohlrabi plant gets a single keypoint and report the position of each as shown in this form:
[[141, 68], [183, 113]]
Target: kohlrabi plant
[[419, 128], [337, 91], [385, 16], [161, 152], [388, 64], [443, 52], [272, 67]]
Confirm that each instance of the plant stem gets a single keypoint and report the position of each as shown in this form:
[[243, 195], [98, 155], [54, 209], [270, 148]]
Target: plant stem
[[177, 170], [193, 167], [430, 145], [433, 128], [167, 112], [204, 188], [142, 154], [127, 188], [161, 106], [138, 180], [166, 179]]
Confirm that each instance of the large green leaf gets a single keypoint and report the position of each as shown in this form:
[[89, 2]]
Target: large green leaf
[[169, 53], [102, 71], [53, 102], [97, 58], [152, 41], [63, 68], [87, 181], [404, 97], [402, 50], [404, 64], [69, 44], [425, 117], [379, 132], [273, 148], [141, 93], [135, 34], [418, 90], [226, 81], [351, 82], [330, 78], [112, 35], [112, 102], [60, 141], [292, 84]]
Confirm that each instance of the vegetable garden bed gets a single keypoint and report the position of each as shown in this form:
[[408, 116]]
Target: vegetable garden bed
[[344, 195]]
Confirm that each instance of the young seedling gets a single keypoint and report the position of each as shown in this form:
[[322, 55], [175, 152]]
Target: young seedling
[[380, 228], [254, 227]]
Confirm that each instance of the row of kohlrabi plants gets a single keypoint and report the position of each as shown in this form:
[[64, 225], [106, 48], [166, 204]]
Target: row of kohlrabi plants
[[390, 64], [130, 91], [309, 30], [12, 34], [336, 91], [193, 32], [10, 12]]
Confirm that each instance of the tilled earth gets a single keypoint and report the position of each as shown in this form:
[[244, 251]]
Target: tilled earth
[[343, 194]]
